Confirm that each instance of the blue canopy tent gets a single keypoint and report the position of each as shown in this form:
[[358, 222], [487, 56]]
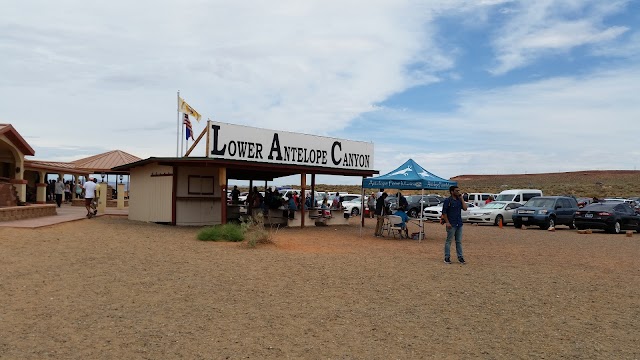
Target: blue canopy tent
[[408, 176]]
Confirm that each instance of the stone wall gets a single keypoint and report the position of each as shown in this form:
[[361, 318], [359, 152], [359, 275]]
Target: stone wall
[[8, 195], [26, 212]]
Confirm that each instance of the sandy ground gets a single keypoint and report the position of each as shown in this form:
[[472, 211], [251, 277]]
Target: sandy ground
[[109, 288]]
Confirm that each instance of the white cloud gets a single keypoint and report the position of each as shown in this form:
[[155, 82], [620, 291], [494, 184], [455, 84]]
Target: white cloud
[[551, 26], [561, 124], [85, 75]]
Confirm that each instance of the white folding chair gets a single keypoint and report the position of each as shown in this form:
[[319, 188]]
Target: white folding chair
[[395, 224]]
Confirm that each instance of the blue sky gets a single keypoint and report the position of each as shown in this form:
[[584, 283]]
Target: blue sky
[[462, 87]]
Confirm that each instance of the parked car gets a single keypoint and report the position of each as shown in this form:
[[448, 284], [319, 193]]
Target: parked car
[[584, 201], [434, 213], [413, 201], [417, 202], [344, 197], [353, 206], [546, 212], [610, 216], [286, 193], [494, 212], [478, 199], [518, 195], [242, 198]]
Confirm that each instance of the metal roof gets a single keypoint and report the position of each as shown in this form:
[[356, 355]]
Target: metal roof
[[106, 161], [101, 163]]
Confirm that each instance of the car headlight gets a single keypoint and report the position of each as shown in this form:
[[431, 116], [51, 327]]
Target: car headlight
[[543, 211]]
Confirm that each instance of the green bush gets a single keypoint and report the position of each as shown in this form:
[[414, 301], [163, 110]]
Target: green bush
[[226, 232]]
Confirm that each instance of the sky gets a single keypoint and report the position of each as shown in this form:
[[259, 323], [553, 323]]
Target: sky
[[461, 87]]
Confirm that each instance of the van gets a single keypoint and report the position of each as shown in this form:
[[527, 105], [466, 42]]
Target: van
[[518, 195], [478, 199]]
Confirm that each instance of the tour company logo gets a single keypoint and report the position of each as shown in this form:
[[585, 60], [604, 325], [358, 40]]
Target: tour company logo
[[331, 156]]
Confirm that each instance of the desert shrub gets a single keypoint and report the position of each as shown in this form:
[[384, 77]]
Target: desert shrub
[[255, 231], [226, 232]]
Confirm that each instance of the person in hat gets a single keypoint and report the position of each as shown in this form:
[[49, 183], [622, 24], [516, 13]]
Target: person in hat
[[89, 195]]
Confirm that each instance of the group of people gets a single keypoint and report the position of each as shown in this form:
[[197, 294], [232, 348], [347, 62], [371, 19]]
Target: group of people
[[273, 199], [451, 217], [89, 191], [62, 191]]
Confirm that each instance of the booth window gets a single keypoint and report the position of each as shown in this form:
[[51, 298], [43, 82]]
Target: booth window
[[201, 185]]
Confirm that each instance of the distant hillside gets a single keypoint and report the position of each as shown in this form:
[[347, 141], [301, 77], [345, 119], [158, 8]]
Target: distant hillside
[[600, 183]]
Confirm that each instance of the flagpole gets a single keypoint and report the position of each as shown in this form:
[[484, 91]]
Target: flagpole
[[178, 128]]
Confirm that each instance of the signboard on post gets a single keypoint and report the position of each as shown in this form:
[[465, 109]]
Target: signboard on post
[[237, 142]]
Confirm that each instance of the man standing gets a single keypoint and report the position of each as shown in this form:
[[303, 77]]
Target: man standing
[[371, 204], [59, 191], [235, 195], [380, 212], [452, 217], [89, 194], [402, 202]]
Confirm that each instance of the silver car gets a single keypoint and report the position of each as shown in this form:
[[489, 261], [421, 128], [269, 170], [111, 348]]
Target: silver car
[[494, 212]]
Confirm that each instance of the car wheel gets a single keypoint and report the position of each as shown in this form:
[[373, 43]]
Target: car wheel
[[413, 213], [498, 219], [551, 223], [355, 212], [517, 224], [615, 229], [573, 224]]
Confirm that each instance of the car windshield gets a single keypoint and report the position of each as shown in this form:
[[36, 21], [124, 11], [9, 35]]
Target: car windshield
[[505, 197], [415, 198], [494, 205], [540, 202]]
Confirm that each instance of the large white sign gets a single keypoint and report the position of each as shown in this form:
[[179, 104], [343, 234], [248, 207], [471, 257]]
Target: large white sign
[[236, 142]]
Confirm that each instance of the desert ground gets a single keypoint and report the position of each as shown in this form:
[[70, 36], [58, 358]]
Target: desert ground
[[109, 288]]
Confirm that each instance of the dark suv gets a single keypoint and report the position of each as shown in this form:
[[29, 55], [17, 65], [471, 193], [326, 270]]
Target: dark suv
[[546, 212], [413, 208]]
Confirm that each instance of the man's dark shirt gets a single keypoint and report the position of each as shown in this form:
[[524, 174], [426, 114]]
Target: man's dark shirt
[[380, 206], [453, 209]]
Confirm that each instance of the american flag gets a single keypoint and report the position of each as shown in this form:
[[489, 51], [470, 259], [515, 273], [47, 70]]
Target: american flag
[[187, 124]]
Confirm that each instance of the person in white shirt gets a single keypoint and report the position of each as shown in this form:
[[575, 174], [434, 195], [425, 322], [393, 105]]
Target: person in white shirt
[[89, 195], [59, 191]]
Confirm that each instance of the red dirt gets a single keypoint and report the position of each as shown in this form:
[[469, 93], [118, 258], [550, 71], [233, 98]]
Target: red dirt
[[112, 288]]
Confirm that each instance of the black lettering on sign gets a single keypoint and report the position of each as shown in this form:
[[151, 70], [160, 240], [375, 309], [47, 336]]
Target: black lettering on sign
[[333, 152], [242, 148], [275, 146], [232, 148], [258, 151], [215, 150]]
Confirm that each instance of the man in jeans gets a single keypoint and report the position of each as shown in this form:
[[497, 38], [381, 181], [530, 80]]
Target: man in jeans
[[380, 213], [452, 217]]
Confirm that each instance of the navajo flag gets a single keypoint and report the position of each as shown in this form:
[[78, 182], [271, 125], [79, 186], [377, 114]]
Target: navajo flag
[[187, 124], [187, 109]]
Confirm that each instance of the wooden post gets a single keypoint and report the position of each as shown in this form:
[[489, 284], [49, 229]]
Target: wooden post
[[204, 131], [208, 145], [303, 186], [222, 175]]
